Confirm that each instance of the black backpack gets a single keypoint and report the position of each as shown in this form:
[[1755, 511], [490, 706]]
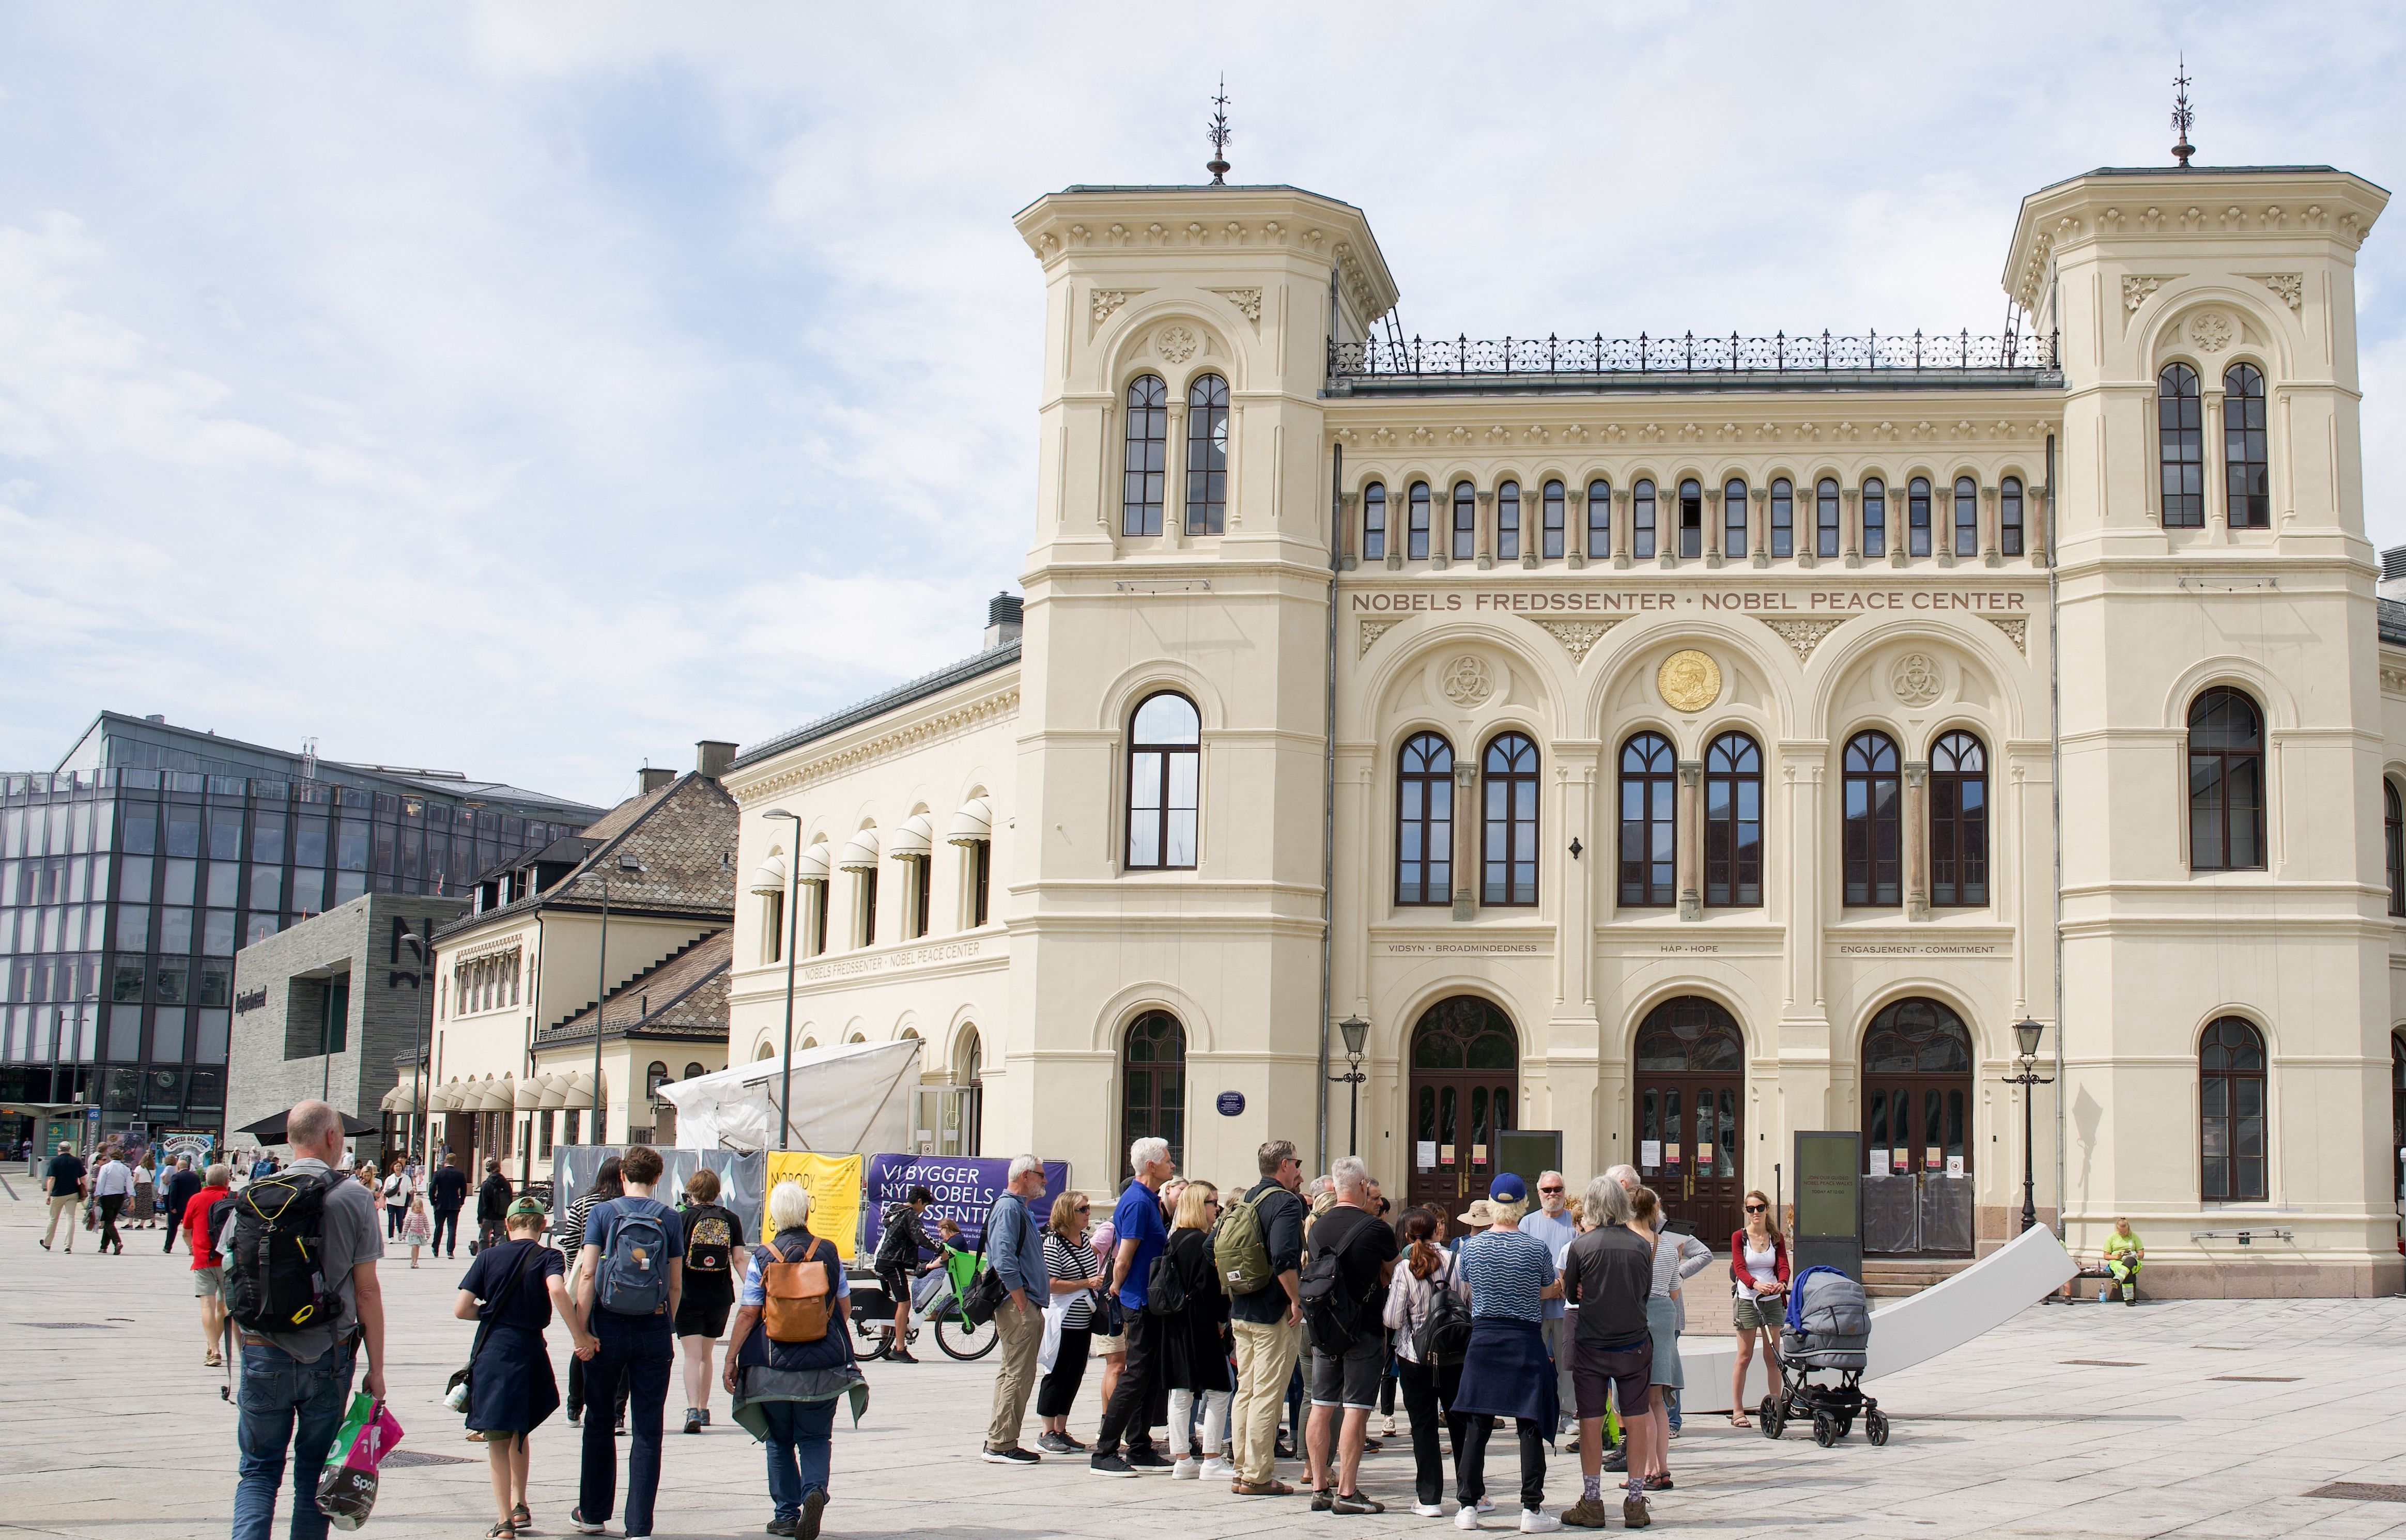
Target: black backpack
[[273, 1282], [1331, 1316], [1444, 1338], [1165, 1290]]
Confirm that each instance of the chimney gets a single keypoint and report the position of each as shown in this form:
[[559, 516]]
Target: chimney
[[1003, 620], [158, 717], [655, 779], [712, 759]]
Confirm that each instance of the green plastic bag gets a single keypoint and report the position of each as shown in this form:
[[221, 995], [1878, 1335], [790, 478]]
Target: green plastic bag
[[347, 1488]]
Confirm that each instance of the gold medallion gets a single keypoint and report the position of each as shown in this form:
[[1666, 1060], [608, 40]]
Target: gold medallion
[[1689, 681]]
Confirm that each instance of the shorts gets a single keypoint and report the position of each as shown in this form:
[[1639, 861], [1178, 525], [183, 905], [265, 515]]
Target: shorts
[[704, 1315], [1108, 1347], [209, 1283], [895, 1281], [1349, 1380], [1750, 1312], [1593, 1370]]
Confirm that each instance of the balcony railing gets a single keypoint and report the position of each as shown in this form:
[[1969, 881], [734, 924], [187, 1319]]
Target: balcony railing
[[1555, 358]]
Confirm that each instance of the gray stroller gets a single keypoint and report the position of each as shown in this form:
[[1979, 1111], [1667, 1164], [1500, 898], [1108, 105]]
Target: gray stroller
[[1829, 1332]]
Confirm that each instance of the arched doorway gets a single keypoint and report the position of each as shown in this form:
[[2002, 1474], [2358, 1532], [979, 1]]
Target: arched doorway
[[1690, 1106], [1465, 1085], [1918, 1152], [1152, 1085]]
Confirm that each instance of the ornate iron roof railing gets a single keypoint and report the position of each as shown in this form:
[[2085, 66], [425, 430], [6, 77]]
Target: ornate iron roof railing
[[1953, 352]]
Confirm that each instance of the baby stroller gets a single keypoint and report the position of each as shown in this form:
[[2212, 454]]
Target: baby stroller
[[1829, 1330]]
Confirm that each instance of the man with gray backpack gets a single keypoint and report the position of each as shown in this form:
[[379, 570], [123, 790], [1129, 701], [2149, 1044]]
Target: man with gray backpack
[[629, 1275]]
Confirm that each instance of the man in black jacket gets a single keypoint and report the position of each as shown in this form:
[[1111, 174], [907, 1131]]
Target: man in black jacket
[[173, 1193], [492, 1202], [448, 1191]]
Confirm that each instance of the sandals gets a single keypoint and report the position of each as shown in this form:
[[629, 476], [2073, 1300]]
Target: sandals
[[519, 1516], [503, 1530], [1737, 1420]]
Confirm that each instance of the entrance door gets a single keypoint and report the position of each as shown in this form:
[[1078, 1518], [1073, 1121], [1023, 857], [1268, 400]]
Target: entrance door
[[1916, 1159], [1690, 1107], [1466, 1086]]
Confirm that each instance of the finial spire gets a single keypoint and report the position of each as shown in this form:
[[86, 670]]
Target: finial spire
[[2184, 116], [1218, 129]]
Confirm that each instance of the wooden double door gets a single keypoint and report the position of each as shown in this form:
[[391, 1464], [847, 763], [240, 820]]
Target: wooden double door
[[1688, 1107], [1464, 1089], [1917, 1149]]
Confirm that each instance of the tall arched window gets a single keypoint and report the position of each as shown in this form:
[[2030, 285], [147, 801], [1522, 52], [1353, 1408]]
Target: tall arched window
[[1783, 518], [1873, 856], [2393, 844], [1733, 822], [1550, 548], [1917, 517], [1165, 739], [1734, 518], [1875, 517], [2009, 515], [2180, 446], [1207, 455], [1425, 821], [1967, 516], [1825, 517], [2230, 1108], [1373, 522], [1146, 460], [1641, 521], [1465, 522], [2243, 452], [1508, 832], [1508, 522], [1649, 789], [2226, 782], [1599, 519], [1153, 1084], [1691, 519], [1959, 821], [1416, 529]]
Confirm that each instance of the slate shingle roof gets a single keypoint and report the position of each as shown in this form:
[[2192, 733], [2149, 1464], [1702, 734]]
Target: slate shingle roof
[[683, 836], [684, 996]]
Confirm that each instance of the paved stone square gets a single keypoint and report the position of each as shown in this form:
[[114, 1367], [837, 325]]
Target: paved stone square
[[2200, 1420]]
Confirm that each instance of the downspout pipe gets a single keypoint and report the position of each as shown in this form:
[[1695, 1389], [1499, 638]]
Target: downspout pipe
[[1328, 806], [2054, 796]]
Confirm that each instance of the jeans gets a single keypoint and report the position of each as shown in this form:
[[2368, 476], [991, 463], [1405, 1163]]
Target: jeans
[[578, 1377], [1129, 1413], [446, 1221], [1671, 1398], [799, 1451], [1470, 1463], [393, 1214], [641, 1349], [1426, 1392], [287, 1401]]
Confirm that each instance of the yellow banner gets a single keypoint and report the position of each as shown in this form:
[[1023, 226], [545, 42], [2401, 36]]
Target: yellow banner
[[834, 1185]]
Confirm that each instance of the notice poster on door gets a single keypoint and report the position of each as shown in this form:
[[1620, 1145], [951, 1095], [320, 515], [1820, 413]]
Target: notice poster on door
[[1425, 1154], [1879, 1163], [1933, 1158], [1903, 1160], [1953, 1166], [1445, 1154], [1649, 1154], [1671, 1155], [1478, 1154]]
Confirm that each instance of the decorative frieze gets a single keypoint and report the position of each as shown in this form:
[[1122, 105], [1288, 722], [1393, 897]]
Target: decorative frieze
[[1803, 635], [1579, 637], [2017, 630], [1372, 630]]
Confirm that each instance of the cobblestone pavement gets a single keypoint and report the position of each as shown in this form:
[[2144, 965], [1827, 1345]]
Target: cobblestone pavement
[[2201, 1418]]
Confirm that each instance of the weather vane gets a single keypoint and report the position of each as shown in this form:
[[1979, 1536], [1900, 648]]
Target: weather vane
[[1218, 165], [2184, 116]]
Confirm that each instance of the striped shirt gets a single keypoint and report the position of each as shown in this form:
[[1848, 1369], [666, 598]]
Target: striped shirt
[[1065, 1260], [1506, 1271]]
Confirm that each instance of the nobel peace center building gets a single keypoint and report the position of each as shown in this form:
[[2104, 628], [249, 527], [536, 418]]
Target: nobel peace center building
[[1676, 741]]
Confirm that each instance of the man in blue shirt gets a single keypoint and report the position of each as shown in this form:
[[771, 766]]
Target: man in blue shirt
[[1552, 1224], [1143, 1236], [640, 1347], [1014, 1244]]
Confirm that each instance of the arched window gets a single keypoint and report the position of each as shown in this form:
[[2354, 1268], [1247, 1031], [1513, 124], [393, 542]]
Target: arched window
[[2230, 1107], [1147, 463], [1873, 853], [1917, 1087], [1691, 519], [1599, 519], [1164, 739], [693, 1071], [1733, 822], [1373, 522], [1207, 455], [1649, 789], [2243, 452], [1734, 518], [1153, 1084], [1465, 522], [1425, 821], [1416, 530], [2180, 446], [1508, 832], [2009, 515], [1967, 516], [1783, 518], [1959, 821], [1641, 521], [1917, 517], [1508, 522], [1875, 517], [2393, 844], [2226, 782], [1551, 548], [1690, 1035], [655, 1075], [1825, 517]]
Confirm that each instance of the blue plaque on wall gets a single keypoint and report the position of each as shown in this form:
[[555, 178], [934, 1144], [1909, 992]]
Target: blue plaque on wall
[[1232, 1103]]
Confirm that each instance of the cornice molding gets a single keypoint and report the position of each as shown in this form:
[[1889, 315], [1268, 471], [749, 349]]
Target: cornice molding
[[809, 766]]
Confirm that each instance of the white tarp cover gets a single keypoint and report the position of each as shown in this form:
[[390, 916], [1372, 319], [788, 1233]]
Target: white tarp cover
[[851, 1098]]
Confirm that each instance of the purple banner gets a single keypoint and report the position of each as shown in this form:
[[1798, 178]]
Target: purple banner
[[965, 1189]]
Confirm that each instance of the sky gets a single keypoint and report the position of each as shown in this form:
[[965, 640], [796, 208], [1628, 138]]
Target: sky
[[533, 390]]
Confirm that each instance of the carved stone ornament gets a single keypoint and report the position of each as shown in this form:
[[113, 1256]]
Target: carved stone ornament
[[2393, 681], [1176, 344], [1916, 679], [1467, 681], [1803, 635], [1579, 637], [2017, 630], [1689, 681], [1247, 300], [2290, 287], [1372, 630], [1108, 301], [2212, 332], [2137, 287]]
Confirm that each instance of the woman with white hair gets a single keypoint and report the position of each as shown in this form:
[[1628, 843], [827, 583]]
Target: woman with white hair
[[785, 1391]]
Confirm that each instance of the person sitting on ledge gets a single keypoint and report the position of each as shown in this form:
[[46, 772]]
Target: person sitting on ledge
[[2123, 1254]]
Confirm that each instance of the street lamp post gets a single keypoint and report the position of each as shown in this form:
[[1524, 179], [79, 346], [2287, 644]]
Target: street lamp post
[[793, 943], [1357, 1032], [601, 991], [2026, 1034]]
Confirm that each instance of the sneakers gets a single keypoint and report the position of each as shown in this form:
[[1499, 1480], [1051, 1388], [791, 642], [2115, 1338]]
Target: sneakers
[[781, 1527], [1675, 1429], [1538, 1521], [1148, 1459], [1465, 1517], [1428, 1510], [619, 1430], [1355, 1503], [1216, 1469], [1617, 1460], [814, 1505], [1187, 1469], [575, 1415], [1320, 1500], [706, 1417], [900, 1355], [577, 1521], [1057, 1443], [1012, 1456], [1587, 1513], [1486, 1505], [1105, 1464], [1634, 1515], [692, 1419]]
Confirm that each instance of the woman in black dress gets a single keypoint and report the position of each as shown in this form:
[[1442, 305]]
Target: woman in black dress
[[510, 1290], [1194, 1351]]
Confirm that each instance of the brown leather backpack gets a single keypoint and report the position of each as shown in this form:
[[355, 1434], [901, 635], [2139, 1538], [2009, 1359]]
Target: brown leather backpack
[[801, 1293]]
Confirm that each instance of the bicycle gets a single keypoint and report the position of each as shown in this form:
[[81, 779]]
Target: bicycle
[[872, 1314]]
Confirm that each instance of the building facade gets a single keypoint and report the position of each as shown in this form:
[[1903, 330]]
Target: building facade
[[132, 872], [1676, 744]]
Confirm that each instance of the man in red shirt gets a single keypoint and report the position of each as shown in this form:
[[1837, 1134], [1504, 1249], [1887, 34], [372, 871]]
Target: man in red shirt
[[208, 1268]]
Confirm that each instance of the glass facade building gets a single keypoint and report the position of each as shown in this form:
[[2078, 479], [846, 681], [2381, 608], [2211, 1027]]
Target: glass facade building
[[130, 875]]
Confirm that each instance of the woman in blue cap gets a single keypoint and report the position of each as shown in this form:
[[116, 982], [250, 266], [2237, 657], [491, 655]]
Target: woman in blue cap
[[1505, 1371]]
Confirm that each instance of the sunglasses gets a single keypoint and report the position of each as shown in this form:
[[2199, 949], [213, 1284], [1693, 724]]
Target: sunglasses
[[1757, 1208], [1547, 1191]]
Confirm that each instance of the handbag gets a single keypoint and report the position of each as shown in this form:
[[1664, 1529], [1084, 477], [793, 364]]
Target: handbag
[[456, 1390], [987, 1290]]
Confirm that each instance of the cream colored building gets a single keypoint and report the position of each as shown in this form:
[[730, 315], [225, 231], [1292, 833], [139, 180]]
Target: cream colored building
[[1669, 742]]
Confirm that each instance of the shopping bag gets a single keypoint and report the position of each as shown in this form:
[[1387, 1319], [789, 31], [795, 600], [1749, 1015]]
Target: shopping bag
[[347, 1488], [1049, 1350]]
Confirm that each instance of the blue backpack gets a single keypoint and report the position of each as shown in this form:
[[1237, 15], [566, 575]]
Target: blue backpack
[[634, 1279]]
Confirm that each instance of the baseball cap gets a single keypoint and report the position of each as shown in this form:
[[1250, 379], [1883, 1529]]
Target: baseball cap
[[1508, 1188], [529, 1206]]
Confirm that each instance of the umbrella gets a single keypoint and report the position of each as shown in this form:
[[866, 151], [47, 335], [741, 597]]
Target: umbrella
[[270, 1130]]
